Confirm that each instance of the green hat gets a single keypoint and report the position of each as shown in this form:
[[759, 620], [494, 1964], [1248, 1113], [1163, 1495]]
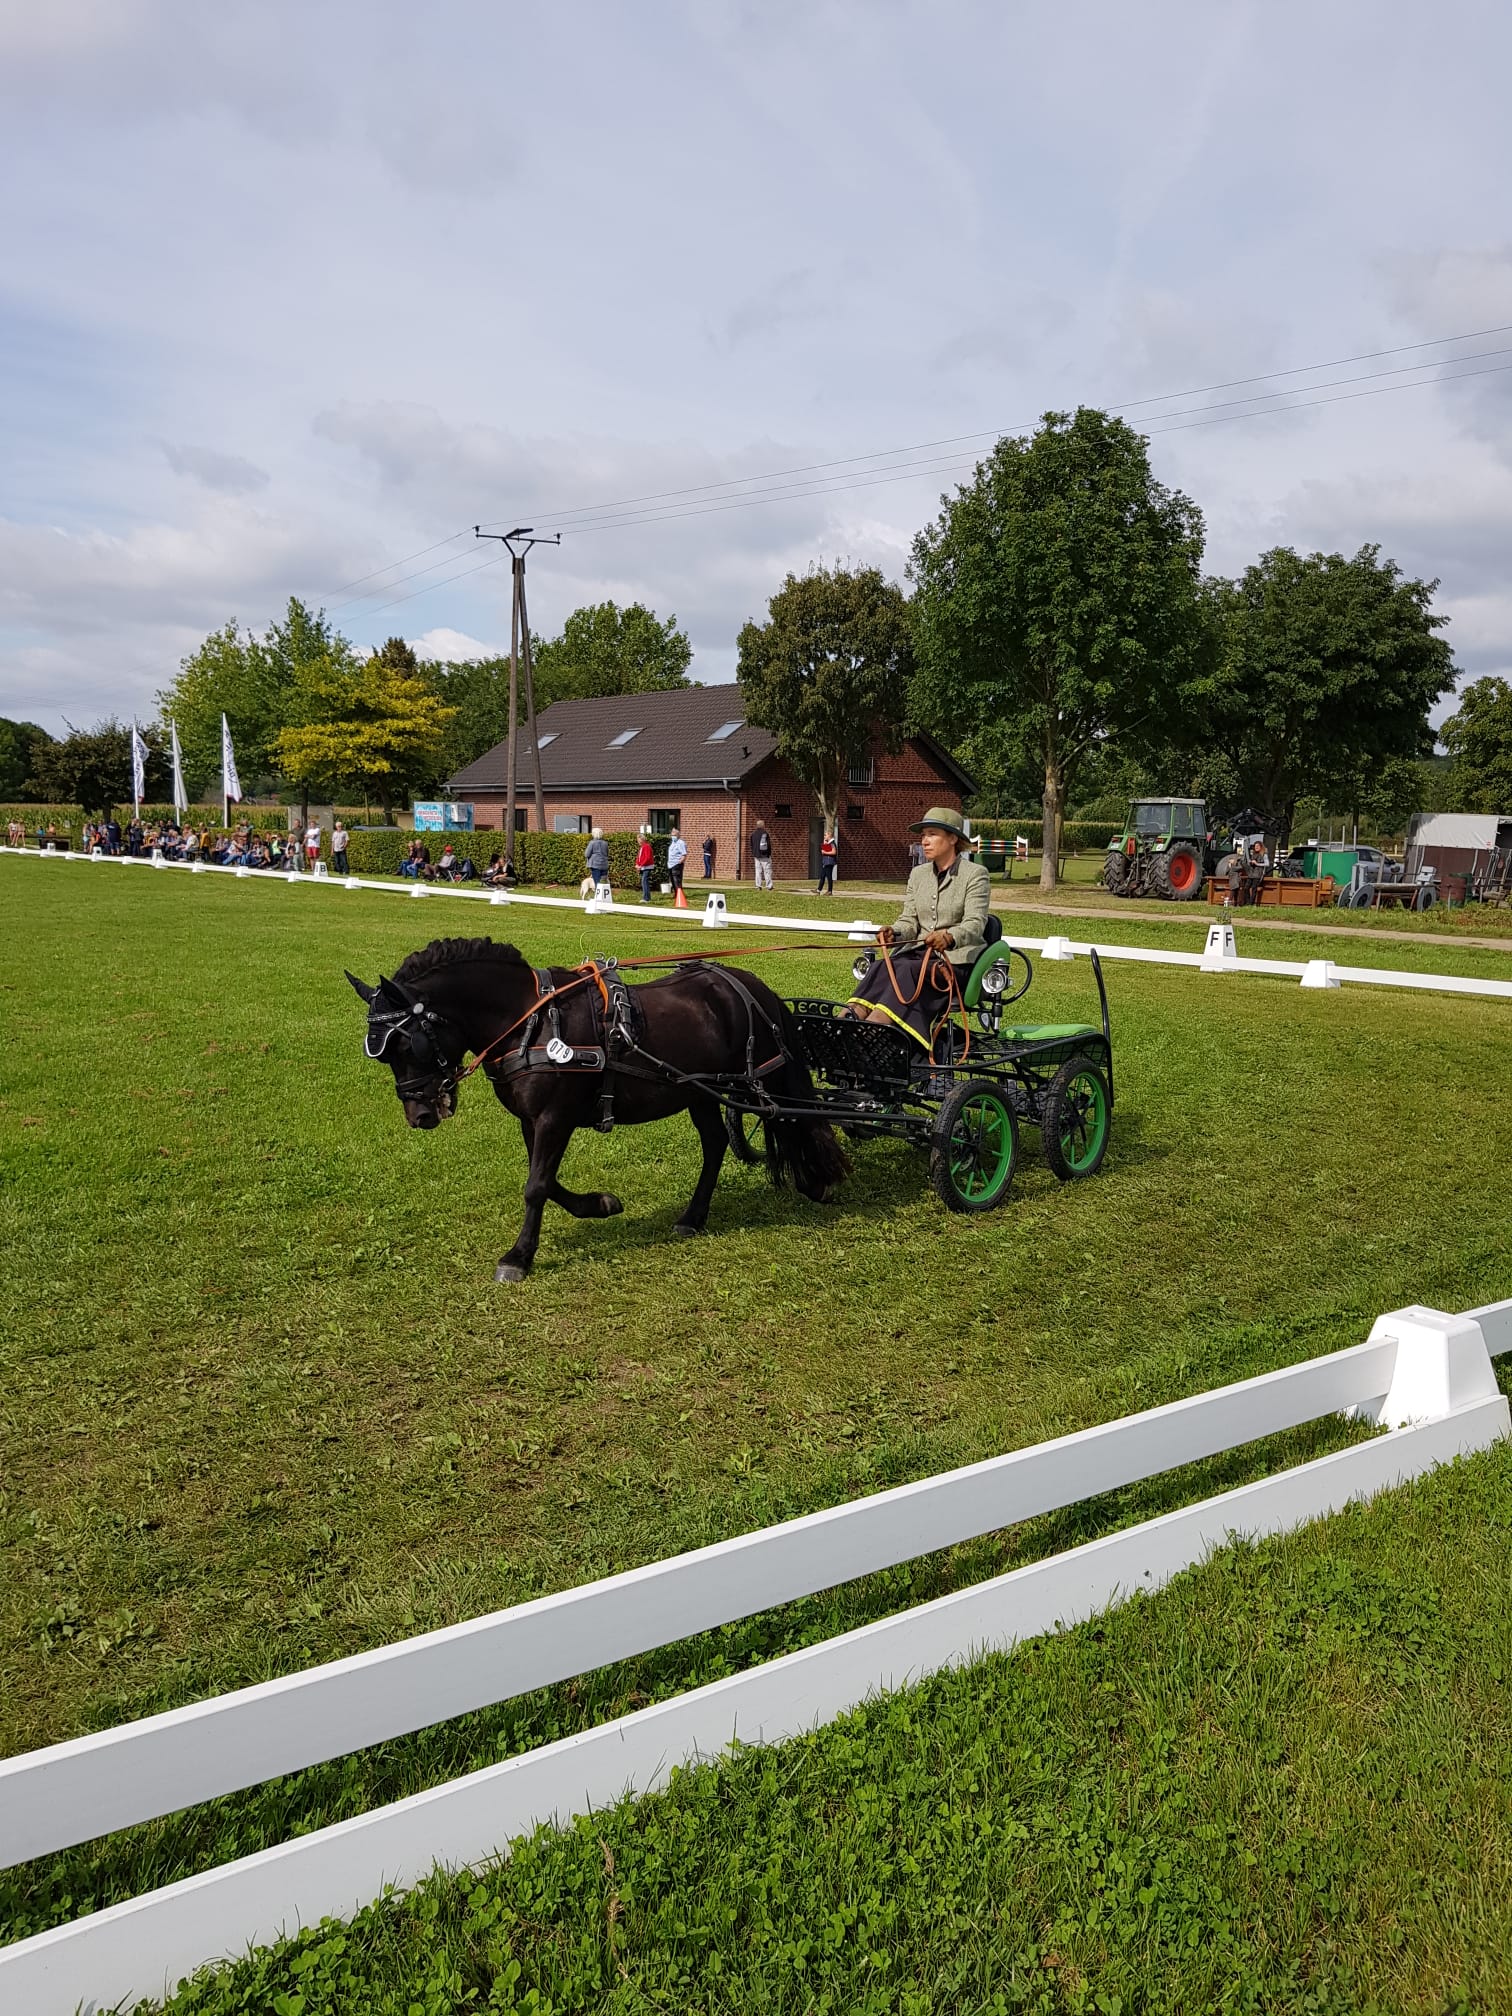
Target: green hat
[[945, 816]]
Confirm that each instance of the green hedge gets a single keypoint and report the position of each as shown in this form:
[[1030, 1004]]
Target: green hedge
[[539, 857]]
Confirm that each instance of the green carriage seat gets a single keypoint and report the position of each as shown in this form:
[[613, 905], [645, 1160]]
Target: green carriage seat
[[971, 993]]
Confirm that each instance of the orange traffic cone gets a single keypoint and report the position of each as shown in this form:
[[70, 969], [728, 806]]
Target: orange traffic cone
[[679, 901]]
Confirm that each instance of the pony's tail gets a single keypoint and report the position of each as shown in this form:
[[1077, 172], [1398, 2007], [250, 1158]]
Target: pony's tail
[[806, 1153]]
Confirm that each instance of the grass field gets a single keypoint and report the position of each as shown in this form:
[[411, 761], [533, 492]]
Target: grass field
[[264, 1405]]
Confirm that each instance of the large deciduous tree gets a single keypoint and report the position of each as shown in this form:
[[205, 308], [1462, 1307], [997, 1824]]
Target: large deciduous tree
[[606, 649], [1057, 591], [21, 743], [92, 767], [1479, 738], [229, 674], [367, 722], [828, 673], [1319, 682]]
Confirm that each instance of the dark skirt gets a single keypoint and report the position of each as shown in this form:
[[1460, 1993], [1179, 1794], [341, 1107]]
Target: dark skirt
[[919, 1015]]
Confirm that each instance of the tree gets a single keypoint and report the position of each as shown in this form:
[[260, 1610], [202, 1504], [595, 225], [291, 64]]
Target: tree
[[366, 722], [828, 673], [477, 690], [232, 675], [21, 743], [1058, 591], [1479, 738], [92, 767], [1322, 672], [605, 649]]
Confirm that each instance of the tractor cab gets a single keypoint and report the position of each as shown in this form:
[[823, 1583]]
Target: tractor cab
[[1162, 851]]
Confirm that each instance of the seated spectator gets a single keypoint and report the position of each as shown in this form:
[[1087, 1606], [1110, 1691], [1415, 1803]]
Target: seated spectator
[[493, 874], [445, 869], [467, 872]]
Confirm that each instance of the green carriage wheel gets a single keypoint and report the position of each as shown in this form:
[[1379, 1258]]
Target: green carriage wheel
[[973, 1147], [1074, 1119]]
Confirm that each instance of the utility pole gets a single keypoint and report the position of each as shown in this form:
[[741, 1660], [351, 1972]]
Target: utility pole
[[519, 543]]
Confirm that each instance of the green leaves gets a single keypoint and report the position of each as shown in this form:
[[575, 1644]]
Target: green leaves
[[828, 672], [1479, 737]]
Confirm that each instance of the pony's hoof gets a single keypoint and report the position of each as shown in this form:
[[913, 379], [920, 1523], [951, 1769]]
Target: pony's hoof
[[688, 1231], [510, 1270], [609, 1205]]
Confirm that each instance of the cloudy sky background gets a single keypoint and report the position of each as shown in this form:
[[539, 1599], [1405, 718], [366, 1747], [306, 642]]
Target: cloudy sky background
[[290, 292]]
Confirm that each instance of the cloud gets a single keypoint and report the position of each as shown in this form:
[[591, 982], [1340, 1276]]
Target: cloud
[[232, 475], [453, 647]]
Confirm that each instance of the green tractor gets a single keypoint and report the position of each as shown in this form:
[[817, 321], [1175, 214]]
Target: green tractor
[[1164, 850]]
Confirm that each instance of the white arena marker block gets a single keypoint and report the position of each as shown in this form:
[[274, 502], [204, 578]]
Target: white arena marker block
[[1220, 954], [1057, 948], [1320, 973], [419, 890], [1442, 1366], [351, 882], [714, 916], [320, 868], [157, 858], [499, 896], [243, 869]]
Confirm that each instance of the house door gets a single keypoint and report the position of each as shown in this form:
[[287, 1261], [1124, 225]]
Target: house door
[[816, 835]]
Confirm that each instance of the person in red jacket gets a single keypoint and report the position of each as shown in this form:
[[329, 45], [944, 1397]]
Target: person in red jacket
[[645, 861]]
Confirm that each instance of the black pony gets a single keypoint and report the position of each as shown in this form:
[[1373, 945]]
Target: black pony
[[698, 1023]]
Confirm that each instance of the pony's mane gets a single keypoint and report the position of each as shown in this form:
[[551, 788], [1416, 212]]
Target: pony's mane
[[456, 952]]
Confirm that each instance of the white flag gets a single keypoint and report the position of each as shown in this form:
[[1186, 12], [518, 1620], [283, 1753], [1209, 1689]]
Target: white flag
[[138, 766], [230, 782], [180, 795]]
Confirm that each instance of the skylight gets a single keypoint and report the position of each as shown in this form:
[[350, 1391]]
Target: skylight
[[625, 735], [549, 736], [724, 732]]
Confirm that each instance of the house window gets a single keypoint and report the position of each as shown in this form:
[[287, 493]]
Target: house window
[[661, 819], [572, 822], [520, 826], [625, 735], [860, 772], [854, 811], [782, 811]]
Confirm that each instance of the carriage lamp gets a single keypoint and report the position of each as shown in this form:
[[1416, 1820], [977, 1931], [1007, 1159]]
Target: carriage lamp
[[995, 979], [861, 965]]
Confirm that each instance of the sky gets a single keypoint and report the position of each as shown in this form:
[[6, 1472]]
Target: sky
[[292, 296]]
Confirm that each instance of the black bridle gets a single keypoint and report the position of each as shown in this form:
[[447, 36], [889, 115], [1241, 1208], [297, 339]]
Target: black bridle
[[432, 1043]]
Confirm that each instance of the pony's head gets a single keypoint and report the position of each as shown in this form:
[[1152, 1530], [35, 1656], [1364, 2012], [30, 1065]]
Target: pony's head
[[422, 1049]]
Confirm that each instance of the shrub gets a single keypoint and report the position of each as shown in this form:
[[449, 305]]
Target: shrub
[[548, 858]]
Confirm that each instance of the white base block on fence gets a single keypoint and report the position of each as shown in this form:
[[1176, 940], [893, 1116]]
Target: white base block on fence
[[1442, 1365], [499, 896], [143, 1947], [1058, 948], [716, 913], [1220, 954], [1319, 973], [351, 882], [243, 871], [419, 890]]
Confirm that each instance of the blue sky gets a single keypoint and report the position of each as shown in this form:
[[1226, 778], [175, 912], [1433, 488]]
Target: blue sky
[[291, 292]]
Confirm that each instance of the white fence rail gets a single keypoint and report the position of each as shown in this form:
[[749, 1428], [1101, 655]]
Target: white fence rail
[[1425, 1376], [1320, 973]]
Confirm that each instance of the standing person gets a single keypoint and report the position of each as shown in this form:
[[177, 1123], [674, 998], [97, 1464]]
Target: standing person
[[597, 857], [312, 843], [829, 854], [677, 854], [761, 854], [645, 862], [112, 835], [339, 847], [708, 854]]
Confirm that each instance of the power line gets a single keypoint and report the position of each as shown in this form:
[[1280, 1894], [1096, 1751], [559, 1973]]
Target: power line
[[491, 561], [449, 540], [955, 440]]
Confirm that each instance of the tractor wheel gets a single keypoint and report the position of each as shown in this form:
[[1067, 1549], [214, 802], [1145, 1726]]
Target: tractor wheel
[[1074, 1119], [1178, 874], [973, 1146], [744, 1130], [1115, 873], [1424, 898]]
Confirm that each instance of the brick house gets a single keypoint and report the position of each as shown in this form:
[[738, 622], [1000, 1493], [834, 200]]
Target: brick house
[[688, 758]]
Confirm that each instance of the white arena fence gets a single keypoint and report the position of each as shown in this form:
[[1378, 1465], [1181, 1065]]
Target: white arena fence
[[1423, 1377], [1219, 955]]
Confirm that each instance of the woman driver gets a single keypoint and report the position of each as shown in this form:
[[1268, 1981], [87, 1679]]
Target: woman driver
[[944, 912]]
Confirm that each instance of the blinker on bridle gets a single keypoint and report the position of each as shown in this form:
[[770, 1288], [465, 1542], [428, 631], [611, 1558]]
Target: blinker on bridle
[[422, 1027]]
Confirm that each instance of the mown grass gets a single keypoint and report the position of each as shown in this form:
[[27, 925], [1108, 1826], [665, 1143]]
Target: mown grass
[[1280, 1786], [264, 1405]]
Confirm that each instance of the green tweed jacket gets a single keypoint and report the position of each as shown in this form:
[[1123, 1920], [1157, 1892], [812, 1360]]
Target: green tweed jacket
[[957, 901]]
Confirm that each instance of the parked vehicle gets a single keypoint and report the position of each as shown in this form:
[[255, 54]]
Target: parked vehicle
[[1164, 850]]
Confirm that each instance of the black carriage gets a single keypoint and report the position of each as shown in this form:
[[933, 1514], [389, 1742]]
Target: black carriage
[[965, 1097]]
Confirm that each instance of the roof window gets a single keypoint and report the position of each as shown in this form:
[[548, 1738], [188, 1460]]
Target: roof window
[[625, 735], [725, 731], [549, 736]]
